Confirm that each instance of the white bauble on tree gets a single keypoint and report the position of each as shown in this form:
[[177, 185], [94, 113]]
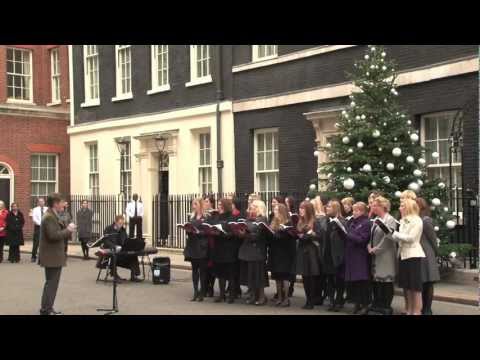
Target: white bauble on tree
[[360, 145], [350, 151], [348, 184], [380, 149], [349, 169], [435, 155], [436, 202], [414, 186], [328, 145], [367, 168], [352, 104], [390, 166], [417, 173], [451, 224], [373, 184], [376, 133], [397, 152], [420, 182], [398, 194], [436, 228], [312, 187], [316, 153], [421, 161], [386, 179], [441, 185], [346, 140], [414, 137], [410, 159]]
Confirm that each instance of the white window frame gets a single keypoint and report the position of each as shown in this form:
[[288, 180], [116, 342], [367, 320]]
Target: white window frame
[[255, 161], [195, 79], [55, 77], [256, 50], [118, 75], [439, 165], [87, 70], [93, 172], [201, 181], [43, 181], [30, 79], [156, 87], [126, 159]]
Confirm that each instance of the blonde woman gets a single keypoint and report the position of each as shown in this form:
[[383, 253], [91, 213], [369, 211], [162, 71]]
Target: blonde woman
[[281, 258], [408, 194], [347, 205], [253, 252], [383, 250], [318, 206], [196, 251], [371, 197], [411, 254]]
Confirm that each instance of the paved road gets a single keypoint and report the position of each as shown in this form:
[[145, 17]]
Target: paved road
[[79, 294]]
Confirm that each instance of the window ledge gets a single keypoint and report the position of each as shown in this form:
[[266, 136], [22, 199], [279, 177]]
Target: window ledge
[[17, 101], [159, 89], [89, 103], [257, 59], [199, 81], [122, 97], [54, 103]]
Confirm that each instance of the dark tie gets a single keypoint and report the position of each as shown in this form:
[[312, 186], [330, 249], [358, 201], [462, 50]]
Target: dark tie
[[135, 215], [41, 211]]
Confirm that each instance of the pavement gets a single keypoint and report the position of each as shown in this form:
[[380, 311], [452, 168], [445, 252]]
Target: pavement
[[25, 280]]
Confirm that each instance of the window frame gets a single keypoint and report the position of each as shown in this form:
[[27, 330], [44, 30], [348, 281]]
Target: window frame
[[93, 173], [201, 167], [195, 79], [55, 76], [88, 100], [255, 53], [445, 165], [30, 82], [154, 69], [127, 172], [43, 181], [119, 96], [256, 172]]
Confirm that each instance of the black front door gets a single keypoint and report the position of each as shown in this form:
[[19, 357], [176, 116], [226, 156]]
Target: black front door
[[5, 192], [164, 205]]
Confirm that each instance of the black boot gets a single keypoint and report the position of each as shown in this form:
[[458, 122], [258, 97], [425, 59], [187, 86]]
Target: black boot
[[221, 297], [195, 295], [291, 288]]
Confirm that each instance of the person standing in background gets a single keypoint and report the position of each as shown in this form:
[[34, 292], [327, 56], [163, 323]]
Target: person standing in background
[[135, 217], [84, 223], [53, 255], [3, 227], [430, 272], [15, 223], [37, 214], [66, 218]]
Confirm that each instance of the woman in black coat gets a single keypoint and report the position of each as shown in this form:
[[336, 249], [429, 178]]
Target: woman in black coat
[[310, 235], [15, 222], [225, 252], [333, 256], [282, 251], [291, 205], [253, 251], [211, 215], [196, 250]]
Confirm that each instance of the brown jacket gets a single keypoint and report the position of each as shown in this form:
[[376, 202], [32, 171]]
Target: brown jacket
[[53, 235]]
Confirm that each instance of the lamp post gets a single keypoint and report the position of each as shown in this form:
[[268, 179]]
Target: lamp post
[[122, 145]]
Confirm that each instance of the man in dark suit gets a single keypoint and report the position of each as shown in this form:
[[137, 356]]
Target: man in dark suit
[[53, 255], [118, 236]]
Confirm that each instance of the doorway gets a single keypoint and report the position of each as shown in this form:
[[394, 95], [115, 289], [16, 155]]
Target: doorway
[[163, 180], [6, 185]]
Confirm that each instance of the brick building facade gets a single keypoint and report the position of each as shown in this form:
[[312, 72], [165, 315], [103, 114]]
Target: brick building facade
[[34, 114]]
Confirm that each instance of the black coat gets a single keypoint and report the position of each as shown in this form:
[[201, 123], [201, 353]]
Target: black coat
[[225, 248], [196, 245], [332, 250], [282, 252], [84, 223], [308, 251], [14, 227], [118, 237], [254, 244]]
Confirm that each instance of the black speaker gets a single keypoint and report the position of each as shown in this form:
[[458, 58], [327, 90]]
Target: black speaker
[[161, 270]]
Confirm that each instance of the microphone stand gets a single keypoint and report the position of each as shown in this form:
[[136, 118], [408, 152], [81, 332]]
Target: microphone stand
[[114, 308]]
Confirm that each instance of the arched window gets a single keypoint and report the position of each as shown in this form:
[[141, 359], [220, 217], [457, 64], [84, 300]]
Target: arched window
[[4, 170]]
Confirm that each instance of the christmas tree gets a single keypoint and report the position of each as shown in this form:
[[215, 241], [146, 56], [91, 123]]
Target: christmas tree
[[377, 147]]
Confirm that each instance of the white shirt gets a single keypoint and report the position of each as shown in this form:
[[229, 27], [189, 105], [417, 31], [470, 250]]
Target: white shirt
[[37, 215], [131, 209]]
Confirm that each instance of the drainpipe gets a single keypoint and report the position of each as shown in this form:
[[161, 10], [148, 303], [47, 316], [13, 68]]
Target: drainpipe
[[219, 98]]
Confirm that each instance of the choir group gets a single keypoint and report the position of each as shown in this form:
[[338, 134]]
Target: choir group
[[341, 247]]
